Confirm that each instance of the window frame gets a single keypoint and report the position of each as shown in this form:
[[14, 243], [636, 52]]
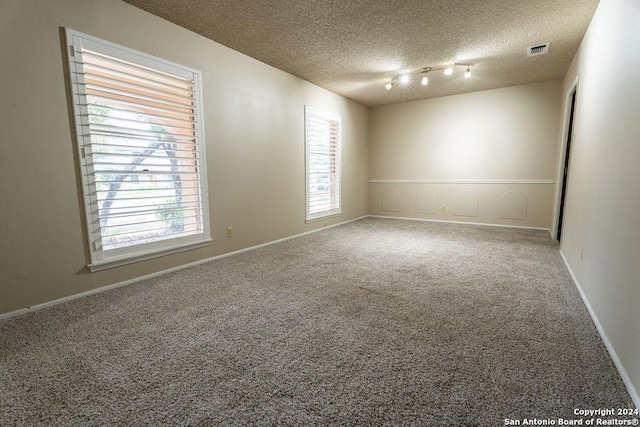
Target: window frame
[[103, 259], [336, 208]]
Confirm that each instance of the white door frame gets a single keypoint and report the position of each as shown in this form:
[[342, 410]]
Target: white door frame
[[562, 150]]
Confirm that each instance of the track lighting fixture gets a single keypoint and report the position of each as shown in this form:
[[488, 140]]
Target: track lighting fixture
[[406, 78]]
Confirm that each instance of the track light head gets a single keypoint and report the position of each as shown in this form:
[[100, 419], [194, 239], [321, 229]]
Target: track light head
[[404, 79], [467, 73], [388, 86]]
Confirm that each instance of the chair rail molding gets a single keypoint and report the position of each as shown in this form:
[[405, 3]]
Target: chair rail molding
[[462, 181]]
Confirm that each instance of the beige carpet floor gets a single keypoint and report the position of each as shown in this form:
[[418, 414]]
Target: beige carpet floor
[[376, 322]]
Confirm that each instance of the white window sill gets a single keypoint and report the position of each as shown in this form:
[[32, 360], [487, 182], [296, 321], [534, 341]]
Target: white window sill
[[332, 214], [130, 259]]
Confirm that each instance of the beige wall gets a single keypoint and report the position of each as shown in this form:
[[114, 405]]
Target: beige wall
[[254, 125], [603, 194], [486, 157]]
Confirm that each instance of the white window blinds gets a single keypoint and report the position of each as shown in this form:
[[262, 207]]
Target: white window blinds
[[322, 163], [138, 120]]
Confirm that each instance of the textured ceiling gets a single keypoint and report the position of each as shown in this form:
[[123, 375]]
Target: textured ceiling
[[354, 47]]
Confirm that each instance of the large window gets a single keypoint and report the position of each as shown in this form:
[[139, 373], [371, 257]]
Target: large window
[[141, 150], [323, 163]]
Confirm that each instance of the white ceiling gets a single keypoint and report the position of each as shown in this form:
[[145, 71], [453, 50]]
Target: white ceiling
[[354, 47]]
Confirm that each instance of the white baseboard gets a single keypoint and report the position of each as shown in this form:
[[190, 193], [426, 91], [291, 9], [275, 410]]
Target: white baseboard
[[405, 218], [159, 273], [612, 352]]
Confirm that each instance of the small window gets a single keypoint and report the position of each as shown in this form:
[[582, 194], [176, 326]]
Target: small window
[[140, 138], [322, 164]]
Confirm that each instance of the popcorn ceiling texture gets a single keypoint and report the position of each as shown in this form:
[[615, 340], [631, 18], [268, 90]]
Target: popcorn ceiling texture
[[376, 322], [353, 47]]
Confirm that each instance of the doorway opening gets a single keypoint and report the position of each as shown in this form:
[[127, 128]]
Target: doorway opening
[[567, 157]]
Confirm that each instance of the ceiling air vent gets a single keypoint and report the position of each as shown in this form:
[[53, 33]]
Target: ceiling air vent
[[539, 49]]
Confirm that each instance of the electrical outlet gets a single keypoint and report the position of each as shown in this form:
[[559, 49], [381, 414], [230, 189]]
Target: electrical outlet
[[581, 254], [229, 231], [444, 208]]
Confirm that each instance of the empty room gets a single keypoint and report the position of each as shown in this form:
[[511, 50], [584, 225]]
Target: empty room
[[319, 213]]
